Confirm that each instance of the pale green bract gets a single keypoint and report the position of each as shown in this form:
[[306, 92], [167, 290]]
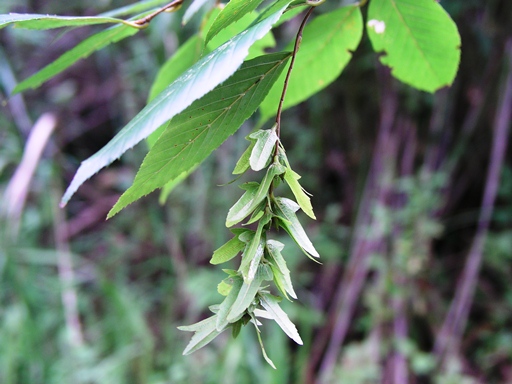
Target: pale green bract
[[264, 147], [420, 41], [242, 164], [227, 251], [246, 205], [271, 304], [227, 304], [280, 268], [254, 252], [292, 179], [285, 209], [205, 331], [246, 296]]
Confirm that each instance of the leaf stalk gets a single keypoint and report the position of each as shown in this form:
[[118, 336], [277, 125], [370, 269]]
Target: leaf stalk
[[144, 22], [296, 47]]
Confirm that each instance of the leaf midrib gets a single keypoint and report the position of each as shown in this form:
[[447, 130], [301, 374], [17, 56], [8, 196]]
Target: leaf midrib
[[393, 3], [330, 37]]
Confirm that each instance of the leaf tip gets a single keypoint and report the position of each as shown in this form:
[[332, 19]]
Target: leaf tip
[[17, 89], [112, 213]]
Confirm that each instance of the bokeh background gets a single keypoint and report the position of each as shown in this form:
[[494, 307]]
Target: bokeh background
[[413, 194]]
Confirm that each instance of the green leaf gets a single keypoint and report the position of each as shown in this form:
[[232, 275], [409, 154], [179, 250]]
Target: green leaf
[[192, 10], [227, 251], [248, 203], [245, 22], [168, 188], [285, 208], [87, 47], [187, 54], [40, 22], [205, 331], [242, 164], [263, 149], [272, 8], [262, 46], [82, 50], [138, 7], [271, 304], [232, 12], [292, 12], [278, 263], [205, 125], [421, 41], [323, 54], [200, 79]]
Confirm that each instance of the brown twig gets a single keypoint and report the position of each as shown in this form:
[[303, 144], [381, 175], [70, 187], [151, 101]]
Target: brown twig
[[143, 22], [296, 47]]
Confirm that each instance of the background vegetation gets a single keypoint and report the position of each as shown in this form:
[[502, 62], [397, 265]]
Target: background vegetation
[[416, 250]]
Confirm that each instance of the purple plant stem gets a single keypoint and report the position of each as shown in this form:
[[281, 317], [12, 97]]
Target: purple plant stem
[[400, 330], [351, 286], [449, 337], [399, 368]]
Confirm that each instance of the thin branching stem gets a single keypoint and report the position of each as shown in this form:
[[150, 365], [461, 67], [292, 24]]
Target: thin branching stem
[[143, 22], [298, 39]]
